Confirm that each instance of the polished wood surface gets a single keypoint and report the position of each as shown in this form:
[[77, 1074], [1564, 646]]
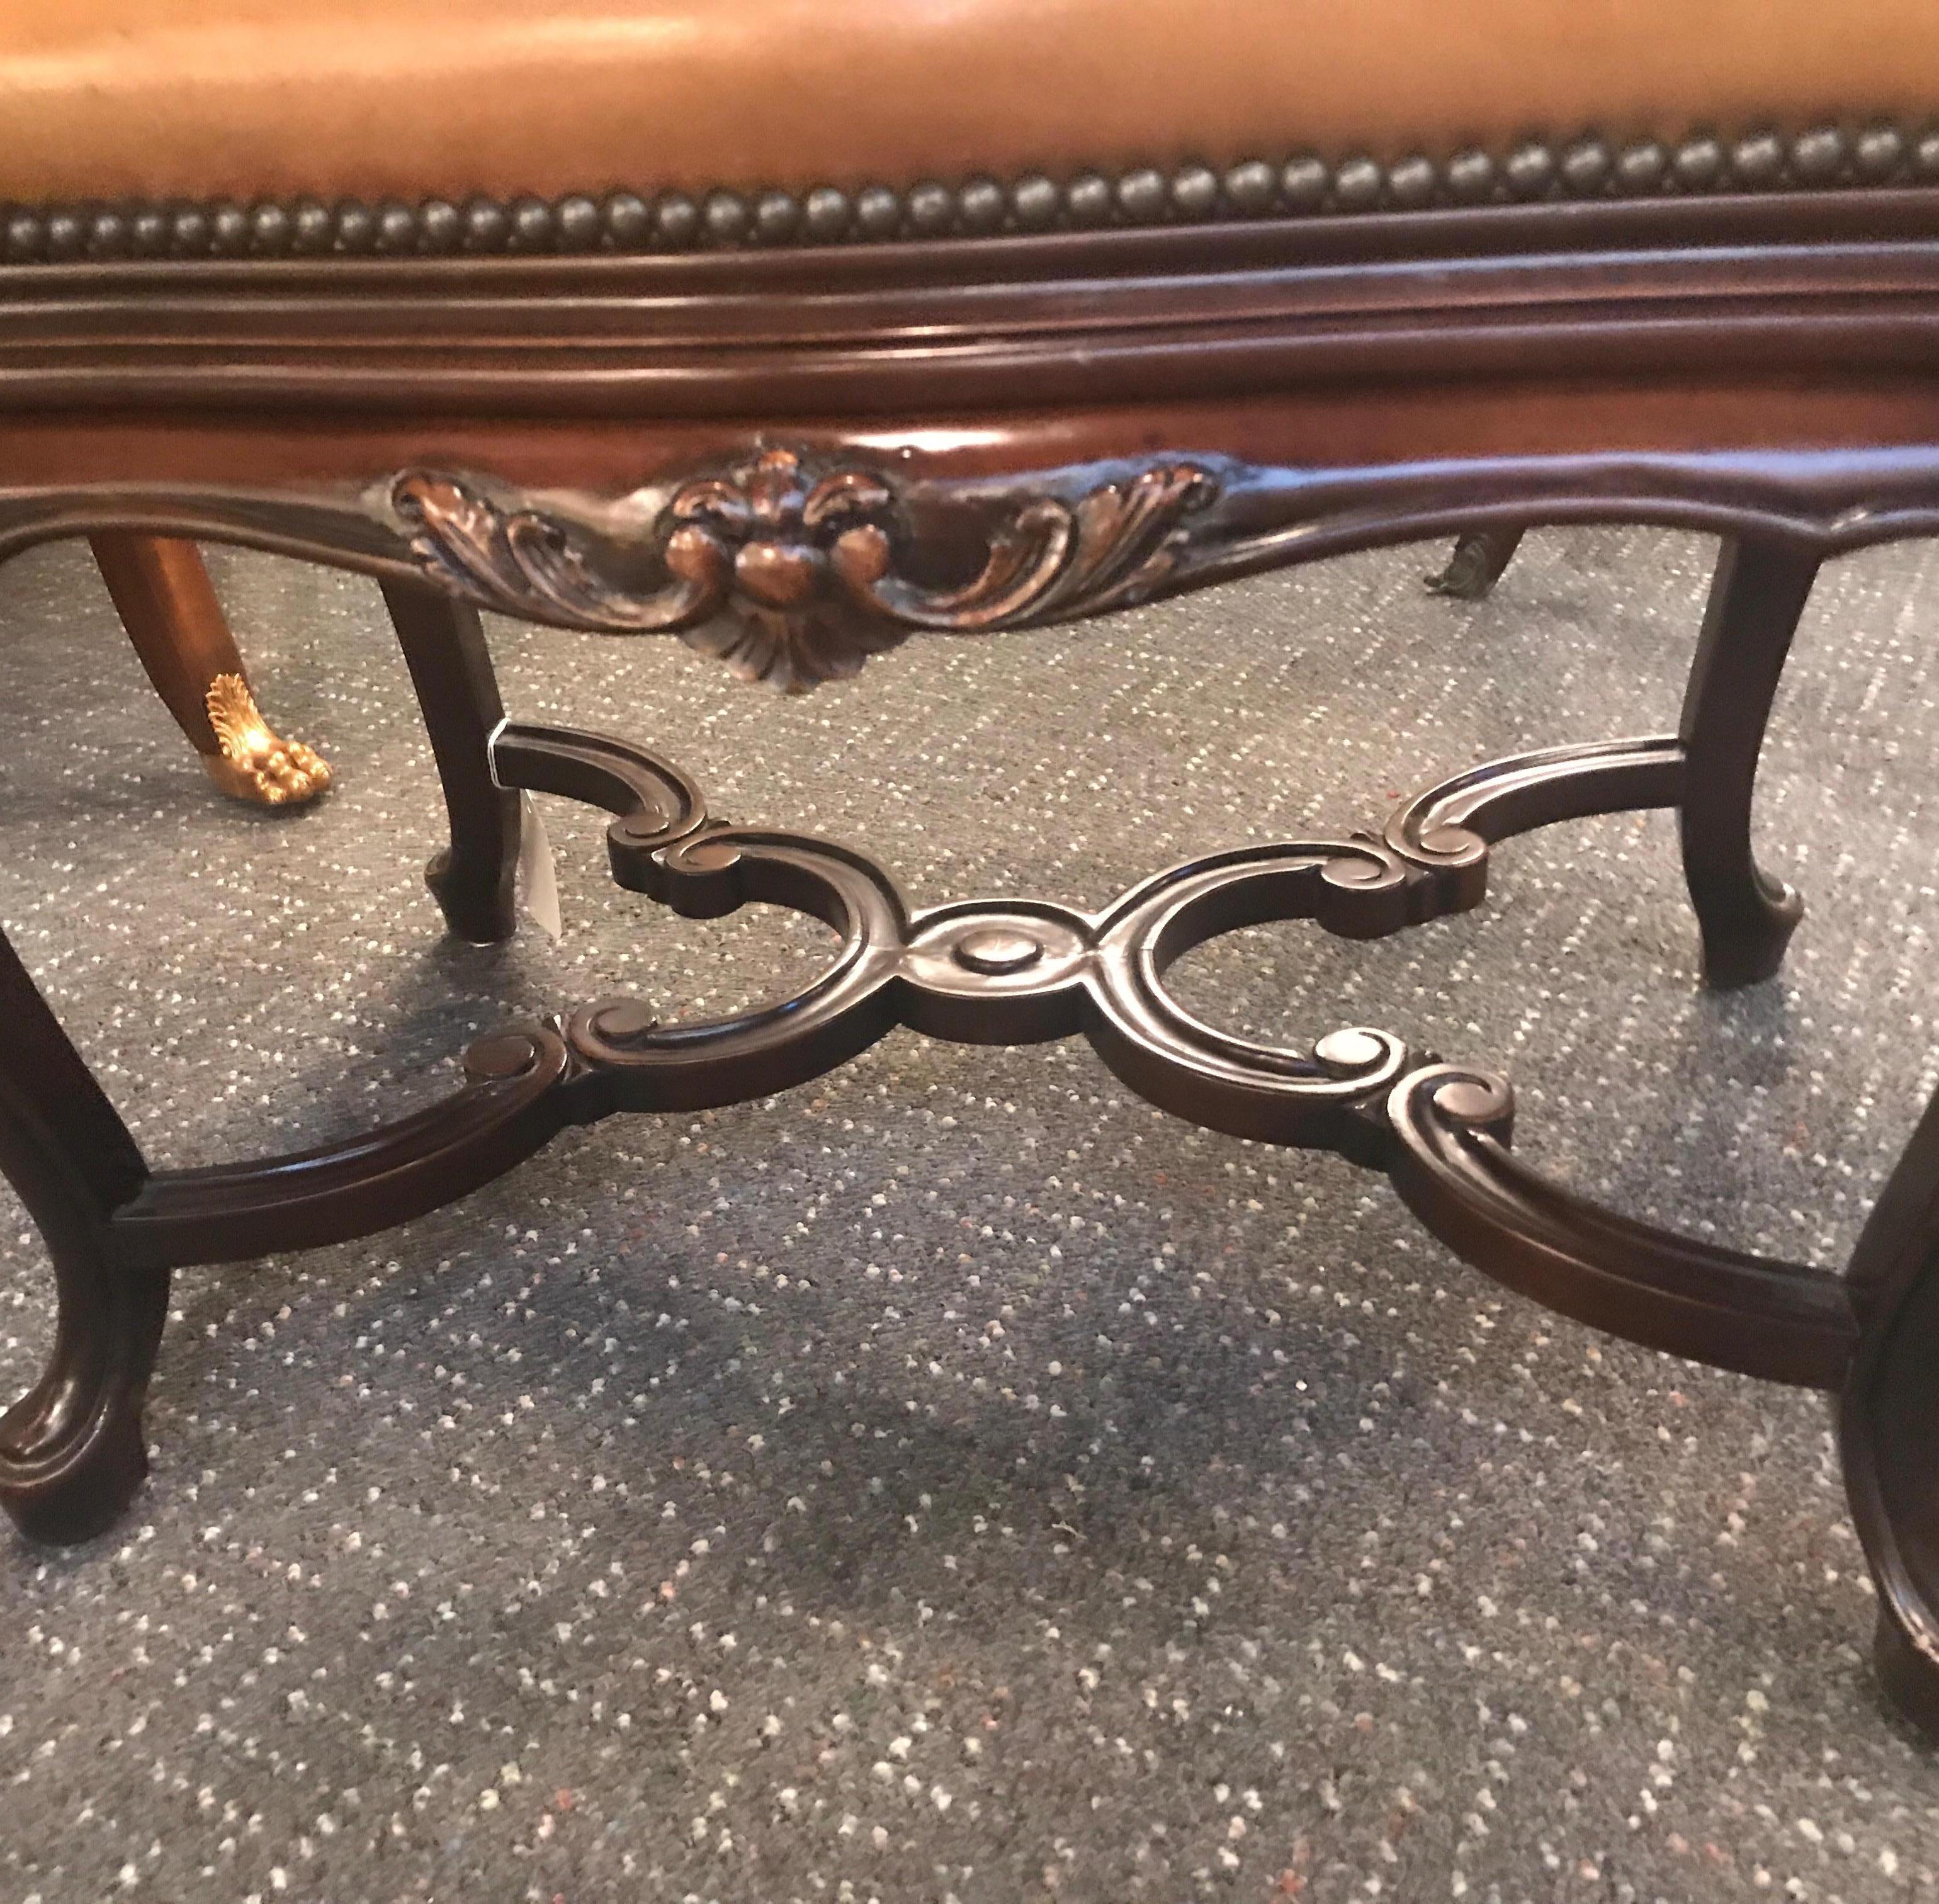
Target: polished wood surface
[[796, 462], [71, 1450], [1749, 292], [1759, 593], [161, 591], [451, 669]]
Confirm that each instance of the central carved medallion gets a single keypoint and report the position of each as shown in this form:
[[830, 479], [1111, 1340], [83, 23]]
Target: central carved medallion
[[796, 576]]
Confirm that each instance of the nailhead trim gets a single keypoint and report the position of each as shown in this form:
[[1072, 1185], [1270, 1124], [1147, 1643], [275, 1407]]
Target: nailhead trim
[[1823, 157]]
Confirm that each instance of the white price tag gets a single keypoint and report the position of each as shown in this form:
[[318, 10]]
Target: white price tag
[[537, 881]]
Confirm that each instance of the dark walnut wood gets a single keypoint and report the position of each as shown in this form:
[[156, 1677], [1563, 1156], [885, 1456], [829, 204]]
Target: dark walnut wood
[[1889, 1421], [444, 648], [795, 566], [806, 564], [1756, 288], [1758, 593], [1478, 561], [798, 460]]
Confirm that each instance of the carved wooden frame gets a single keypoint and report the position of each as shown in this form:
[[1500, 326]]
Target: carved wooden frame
[[796, 551]]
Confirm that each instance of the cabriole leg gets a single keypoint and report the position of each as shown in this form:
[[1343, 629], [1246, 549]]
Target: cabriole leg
[[162, 593], [1479, 561], [444, 647], [1888, 1421], [1756, 598], [71, 1452]]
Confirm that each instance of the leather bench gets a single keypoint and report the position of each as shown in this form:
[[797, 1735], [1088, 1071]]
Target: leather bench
[[798, 331]]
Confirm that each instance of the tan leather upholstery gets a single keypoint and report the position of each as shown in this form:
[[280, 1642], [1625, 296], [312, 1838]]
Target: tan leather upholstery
[[248, 97]]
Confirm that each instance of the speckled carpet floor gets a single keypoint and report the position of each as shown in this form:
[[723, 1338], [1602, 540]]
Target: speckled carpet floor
[[953, 1480]]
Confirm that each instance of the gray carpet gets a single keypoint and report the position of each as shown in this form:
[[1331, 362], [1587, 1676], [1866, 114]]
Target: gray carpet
[[953, 1480]]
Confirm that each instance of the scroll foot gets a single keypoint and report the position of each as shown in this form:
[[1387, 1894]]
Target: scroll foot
[[1746, 916], [1479, 561], [72, 1452]]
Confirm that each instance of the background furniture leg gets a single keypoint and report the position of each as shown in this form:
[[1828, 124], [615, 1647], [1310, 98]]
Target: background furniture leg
[[1478, 561], [71, 1452], [473, 880], [1756, 598], [162, 593], [1888, 1421]]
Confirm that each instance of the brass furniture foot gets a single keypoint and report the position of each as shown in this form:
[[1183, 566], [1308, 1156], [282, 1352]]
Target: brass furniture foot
[[162, 593], [255, 762]]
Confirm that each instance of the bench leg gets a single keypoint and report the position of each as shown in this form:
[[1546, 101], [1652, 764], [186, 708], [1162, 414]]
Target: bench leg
[[1479, 560], [162, 593], [71, 1450], [1888, 1421], [472, 879], [1756, 597]]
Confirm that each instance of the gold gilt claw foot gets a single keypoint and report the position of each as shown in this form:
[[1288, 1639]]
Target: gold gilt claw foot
[[255, 762]]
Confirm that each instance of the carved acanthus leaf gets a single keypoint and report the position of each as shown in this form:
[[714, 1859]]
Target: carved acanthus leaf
[[524, 562], [793, 577]]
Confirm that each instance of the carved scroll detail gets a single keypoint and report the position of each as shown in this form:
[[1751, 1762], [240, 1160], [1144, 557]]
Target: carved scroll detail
[[521, 561], [793, 577]]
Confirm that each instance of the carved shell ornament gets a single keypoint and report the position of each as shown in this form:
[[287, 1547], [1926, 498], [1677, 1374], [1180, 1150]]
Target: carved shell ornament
[[792, 576]]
